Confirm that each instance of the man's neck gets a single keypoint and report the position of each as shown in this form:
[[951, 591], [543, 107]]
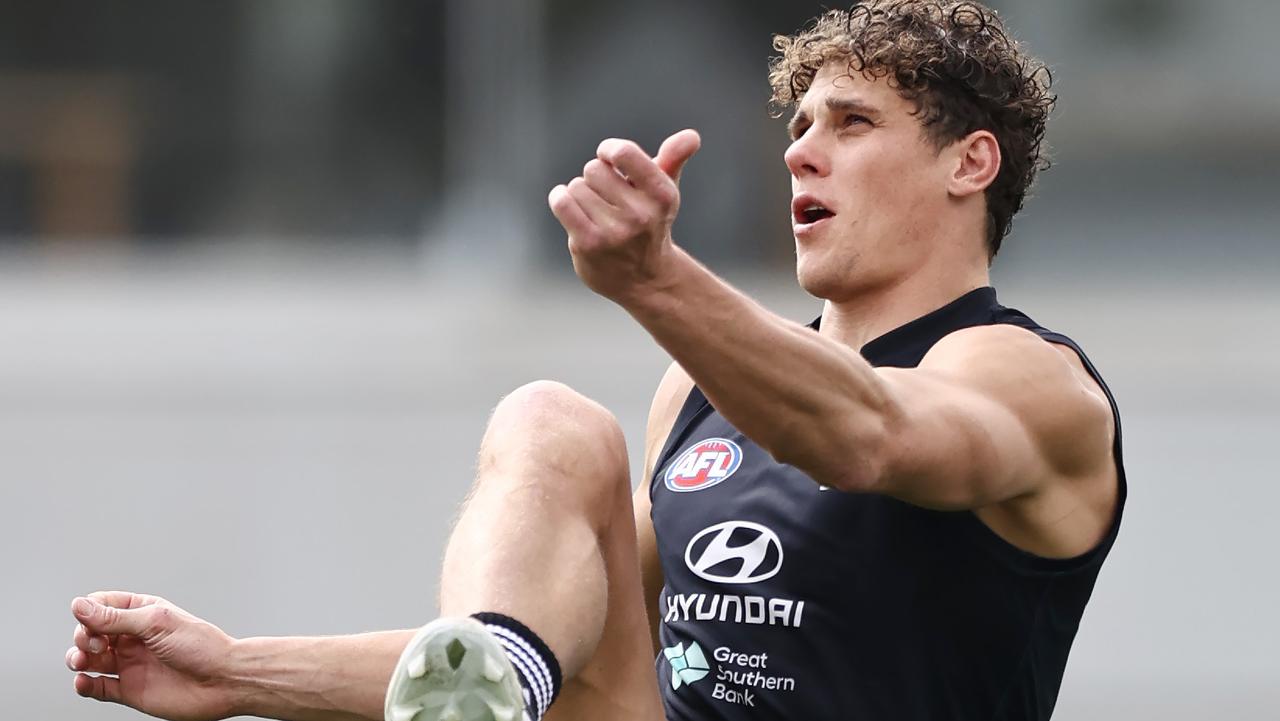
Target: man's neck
[[871, 314]]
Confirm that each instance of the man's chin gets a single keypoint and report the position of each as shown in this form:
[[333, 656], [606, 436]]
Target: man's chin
[[828, 280], [822, 285]]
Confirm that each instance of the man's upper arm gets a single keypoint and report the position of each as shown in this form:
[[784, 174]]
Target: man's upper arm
[[990, 414], [667, 401]]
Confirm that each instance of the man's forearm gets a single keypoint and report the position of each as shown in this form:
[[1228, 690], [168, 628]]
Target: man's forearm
[[777, 381], [333, 678]]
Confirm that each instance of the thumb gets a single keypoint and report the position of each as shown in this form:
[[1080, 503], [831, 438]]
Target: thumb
[[676, 151], [108, 621]]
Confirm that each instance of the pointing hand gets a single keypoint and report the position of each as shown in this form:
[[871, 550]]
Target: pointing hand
[[619, 212]]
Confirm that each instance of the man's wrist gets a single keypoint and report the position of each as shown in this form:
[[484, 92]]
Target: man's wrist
[[656, 293], [243, 675]]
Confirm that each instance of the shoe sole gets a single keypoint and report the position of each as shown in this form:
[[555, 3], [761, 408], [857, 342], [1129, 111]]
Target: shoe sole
[[454, 670]]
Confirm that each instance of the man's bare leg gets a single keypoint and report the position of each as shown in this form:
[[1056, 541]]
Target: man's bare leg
[[547, 537]]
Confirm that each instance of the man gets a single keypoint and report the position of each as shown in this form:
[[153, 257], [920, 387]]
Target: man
[[897, 513]]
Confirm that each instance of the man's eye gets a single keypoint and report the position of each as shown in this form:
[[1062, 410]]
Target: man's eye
[[855, 119]]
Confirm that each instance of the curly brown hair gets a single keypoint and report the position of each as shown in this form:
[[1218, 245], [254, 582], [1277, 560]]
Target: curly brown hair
[[955, 62]]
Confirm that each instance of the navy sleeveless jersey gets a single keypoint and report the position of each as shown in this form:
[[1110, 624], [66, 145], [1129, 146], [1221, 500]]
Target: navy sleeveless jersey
[[784, 600]]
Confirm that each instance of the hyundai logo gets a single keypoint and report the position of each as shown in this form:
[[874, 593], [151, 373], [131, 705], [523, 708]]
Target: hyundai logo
[[734, 552]]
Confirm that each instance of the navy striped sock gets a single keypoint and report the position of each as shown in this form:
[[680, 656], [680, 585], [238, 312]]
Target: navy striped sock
[[534, 662]]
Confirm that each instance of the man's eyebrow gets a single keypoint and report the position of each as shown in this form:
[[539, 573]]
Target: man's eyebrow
[[834, 105], [856, 105]]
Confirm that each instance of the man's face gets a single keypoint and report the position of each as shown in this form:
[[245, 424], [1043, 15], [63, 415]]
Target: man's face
[[868, 187]]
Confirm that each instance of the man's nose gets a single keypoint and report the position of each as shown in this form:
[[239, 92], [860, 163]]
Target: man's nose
[[805, 157]]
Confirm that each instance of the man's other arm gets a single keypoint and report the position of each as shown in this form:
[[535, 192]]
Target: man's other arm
[[667, 402], [165, 662]]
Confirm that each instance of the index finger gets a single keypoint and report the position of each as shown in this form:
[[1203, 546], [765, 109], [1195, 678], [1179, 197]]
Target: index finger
[[634, 163], [123, 599]]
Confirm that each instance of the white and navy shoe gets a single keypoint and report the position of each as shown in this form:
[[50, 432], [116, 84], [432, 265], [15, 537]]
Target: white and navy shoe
[[454, 669]]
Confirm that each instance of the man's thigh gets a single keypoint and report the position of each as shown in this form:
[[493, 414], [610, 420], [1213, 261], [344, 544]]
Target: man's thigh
[[619, 682]]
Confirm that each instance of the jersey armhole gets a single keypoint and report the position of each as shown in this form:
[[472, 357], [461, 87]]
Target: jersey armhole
[[694, 405]]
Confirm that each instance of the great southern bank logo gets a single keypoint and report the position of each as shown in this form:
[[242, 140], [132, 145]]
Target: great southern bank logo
[[687, 664], [704, 465]]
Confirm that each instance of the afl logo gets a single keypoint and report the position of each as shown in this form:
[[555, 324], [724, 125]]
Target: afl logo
[[704, 465]]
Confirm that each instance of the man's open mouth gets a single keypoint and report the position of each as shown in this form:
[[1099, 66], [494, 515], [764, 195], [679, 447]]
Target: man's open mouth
[[806, 210], [813, 214]]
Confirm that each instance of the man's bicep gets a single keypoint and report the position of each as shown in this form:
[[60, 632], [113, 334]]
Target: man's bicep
[[954, 448], [989, 415]]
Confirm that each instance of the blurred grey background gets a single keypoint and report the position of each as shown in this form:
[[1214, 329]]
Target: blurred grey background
[[266, 265]]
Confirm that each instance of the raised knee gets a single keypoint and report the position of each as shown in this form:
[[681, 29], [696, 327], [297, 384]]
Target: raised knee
[[546, 400], [550, 412], [546, 434], [545, 395]]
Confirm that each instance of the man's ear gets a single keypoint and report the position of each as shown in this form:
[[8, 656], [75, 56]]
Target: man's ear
[[977, 162]]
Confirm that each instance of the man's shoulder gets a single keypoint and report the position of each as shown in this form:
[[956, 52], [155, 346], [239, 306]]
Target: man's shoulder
[[995, 353], [1043, 381], [670, 396], [668, 399]]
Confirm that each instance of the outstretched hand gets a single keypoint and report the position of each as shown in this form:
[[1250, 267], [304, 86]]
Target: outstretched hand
[[144, 652], [619, 212]]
